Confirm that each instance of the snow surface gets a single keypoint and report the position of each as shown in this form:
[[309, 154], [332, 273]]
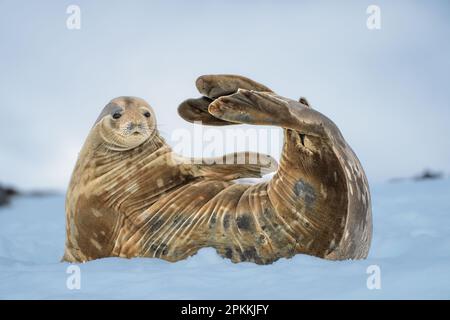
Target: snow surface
[[411, 245]]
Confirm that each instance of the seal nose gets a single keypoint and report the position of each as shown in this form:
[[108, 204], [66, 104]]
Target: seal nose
[[131, 126], [135, 126]]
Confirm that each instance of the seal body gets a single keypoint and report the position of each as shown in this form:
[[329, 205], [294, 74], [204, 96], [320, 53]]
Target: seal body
[[139, 199]]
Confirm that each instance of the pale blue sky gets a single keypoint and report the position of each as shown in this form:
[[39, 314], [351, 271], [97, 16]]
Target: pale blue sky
[[387, 90]]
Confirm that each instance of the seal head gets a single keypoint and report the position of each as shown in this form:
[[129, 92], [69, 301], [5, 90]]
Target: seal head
[[125, 123]]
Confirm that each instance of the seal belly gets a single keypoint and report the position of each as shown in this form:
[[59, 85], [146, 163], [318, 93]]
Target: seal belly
[[302, 209], [174, 227]]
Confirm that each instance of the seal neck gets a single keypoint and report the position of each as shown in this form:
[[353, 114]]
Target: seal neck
[[148, 147], [101, 159]]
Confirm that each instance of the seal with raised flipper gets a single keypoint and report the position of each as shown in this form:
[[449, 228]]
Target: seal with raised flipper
[[131, 196]]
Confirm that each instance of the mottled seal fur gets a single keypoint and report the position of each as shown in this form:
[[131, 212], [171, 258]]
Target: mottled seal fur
[[131, 196]]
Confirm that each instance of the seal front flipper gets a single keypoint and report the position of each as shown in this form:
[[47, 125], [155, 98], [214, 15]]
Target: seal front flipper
[[234, 166]]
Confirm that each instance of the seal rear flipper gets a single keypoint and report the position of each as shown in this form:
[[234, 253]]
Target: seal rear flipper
[[235, 166], [213, 87], [264, 108], [196, 110]]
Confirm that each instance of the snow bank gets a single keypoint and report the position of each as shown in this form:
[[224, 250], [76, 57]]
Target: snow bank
[[411, 245]]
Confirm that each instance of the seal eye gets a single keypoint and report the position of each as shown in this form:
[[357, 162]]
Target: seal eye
[[116, 115], [147, 114]]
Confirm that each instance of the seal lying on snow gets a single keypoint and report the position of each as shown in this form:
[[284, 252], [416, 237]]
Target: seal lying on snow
[[131, 196]]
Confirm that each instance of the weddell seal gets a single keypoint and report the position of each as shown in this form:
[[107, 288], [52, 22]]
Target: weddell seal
[[131, 196]]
